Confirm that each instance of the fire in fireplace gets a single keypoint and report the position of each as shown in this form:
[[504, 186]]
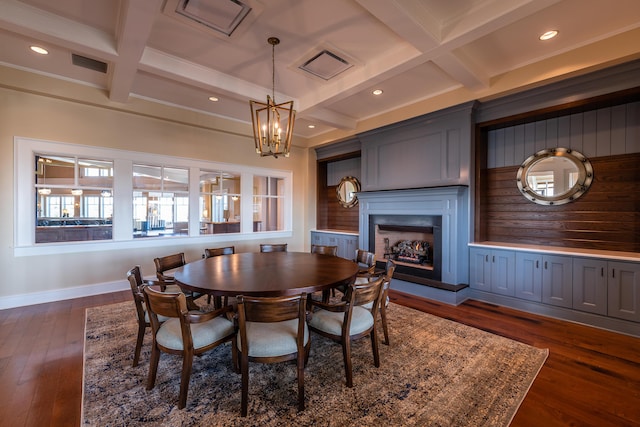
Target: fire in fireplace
[[412, 241]]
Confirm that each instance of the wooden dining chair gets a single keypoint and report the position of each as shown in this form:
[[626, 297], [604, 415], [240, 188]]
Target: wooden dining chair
[[366, 260], [390, 268], [135, 280], [168, 283], [271, 330], [184, 333], [324, 250], [273, 247], [211, 252], [350, 319]]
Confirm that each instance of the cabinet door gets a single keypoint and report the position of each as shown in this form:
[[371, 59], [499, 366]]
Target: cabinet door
[[528, 276], [503, 272], [480, 269], [557, 280], [317, 238], [624, 290], [350, 246], [590, 285]]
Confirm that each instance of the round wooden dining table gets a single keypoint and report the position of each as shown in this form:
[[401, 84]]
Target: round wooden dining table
[[266, 274]]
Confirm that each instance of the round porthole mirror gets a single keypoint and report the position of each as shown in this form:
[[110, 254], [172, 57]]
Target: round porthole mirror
[[346, 191], [555, 176]]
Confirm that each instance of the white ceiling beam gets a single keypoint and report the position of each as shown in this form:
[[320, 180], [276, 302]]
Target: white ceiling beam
[[137, 18], [331, 118]]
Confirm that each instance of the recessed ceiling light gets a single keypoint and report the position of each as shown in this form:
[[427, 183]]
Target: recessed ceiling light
[[213, 99], [377, 92], [311, 126], [548, 35], [40, 50]]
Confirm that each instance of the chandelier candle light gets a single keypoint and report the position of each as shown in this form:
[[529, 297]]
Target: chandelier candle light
[[272, 123]]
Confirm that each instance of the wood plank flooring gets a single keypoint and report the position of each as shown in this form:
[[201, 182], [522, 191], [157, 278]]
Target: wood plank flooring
[[591, 378]]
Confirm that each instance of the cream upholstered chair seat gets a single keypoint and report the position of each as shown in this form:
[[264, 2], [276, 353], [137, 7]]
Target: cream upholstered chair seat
[[273, 339], [331, 322], [203, 334]]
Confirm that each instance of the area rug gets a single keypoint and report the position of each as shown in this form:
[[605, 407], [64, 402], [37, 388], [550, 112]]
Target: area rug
[[435, 373]]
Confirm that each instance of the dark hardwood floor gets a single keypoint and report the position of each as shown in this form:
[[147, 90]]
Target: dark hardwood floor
[[591, 378]]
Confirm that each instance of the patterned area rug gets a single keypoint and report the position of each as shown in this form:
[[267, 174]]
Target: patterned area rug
[[435, 373]]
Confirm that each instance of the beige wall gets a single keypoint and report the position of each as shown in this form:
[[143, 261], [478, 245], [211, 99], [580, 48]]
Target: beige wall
[[52, 118]]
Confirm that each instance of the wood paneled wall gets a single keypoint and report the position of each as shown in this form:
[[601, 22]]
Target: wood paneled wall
[[607, 217], [331, 215]]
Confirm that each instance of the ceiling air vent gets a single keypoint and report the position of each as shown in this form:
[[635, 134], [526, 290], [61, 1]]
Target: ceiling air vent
[[325, 65], [222, 16], [91, 64]]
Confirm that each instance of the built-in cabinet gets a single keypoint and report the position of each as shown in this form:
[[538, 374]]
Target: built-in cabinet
[[347, 243], [594, 285], [493, 270]]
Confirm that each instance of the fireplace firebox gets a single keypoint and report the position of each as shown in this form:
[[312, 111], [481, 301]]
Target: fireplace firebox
[[414, 242]]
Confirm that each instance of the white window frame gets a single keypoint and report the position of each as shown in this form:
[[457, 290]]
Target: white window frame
[[25, 150]]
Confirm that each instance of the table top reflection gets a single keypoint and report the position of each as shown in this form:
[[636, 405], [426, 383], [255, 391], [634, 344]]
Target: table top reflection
[[266, 274]]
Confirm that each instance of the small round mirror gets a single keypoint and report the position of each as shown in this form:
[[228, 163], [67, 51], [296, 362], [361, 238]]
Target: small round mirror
[[555, 176], [346, 191]]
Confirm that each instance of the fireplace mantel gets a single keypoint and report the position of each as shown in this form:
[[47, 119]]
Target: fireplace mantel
[[450, 202]]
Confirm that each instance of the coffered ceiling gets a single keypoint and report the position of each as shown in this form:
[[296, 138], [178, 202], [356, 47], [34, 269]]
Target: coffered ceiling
[[423, 54]]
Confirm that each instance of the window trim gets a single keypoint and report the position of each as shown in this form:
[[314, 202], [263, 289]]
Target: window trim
[[24, 210]]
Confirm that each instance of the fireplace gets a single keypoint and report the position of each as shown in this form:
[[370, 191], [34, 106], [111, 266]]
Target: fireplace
[[437, 215], [414, 242]]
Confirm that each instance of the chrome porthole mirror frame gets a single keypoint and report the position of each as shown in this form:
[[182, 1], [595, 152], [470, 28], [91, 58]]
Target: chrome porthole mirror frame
[[569, 173], [346, 191]]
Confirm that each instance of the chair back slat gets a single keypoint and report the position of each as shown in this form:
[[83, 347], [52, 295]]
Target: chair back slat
[[211, 252], [361, 294], [275, 309], [167, 263], [165, 303], [273, 247], [324, 250]]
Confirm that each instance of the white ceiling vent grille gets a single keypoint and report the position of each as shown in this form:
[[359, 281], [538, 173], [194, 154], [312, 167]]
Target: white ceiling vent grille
[[325, 65], [222, 16]]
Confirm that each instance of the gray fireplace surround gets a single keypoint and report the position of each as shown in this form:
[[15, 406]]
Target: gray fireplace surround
[[451, 204]]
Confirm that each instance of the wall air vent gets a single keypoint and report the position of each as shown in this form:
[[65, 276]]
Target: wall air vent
[[91, 64], [223, 16], [325, 65]]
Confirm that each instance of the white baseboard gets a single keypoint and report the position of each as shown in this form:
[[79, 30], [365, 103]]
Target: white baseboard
[[62, 294]]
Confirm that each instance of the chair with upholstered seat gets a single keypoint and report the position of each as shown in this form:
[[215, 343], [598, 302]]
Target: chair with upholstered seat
[[390, 268], [273, 247], [168, 283], [184, 333], [272, 330], [135, 280], [211, 252], [324, 250], [350, 319], [366, 261]]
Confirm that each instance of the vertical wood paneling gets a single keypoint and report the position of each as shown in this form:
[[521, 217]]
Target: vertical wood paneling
[[603, 132], [564, 132], [540, 138], [618, 129], [529, 139], [577, 133], [491, 144], [519, 153], [632, 138], [509, 149], [499, 148], [551, 139], [589, 134]]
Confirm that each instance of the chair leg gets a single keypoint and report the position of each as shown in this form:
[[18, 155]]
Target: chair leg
[[374, 347], [346, 354], [153, 367], [136, 354], [385, 328], [301, 363], [234, 355], [187, 363], [244, 367]]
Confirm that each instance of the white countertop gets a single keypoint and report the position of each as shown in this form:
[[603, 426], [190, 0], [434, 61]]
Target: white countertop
[[556, 250]]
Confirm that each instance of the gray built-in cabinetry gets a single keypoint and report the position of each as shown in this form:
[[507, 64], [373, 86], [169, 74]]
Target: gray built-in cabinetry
[[600, 285], [347, 243]]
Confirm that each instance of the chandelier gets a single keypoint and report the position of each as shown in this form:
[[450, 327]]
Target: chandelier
[[272, 123]]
